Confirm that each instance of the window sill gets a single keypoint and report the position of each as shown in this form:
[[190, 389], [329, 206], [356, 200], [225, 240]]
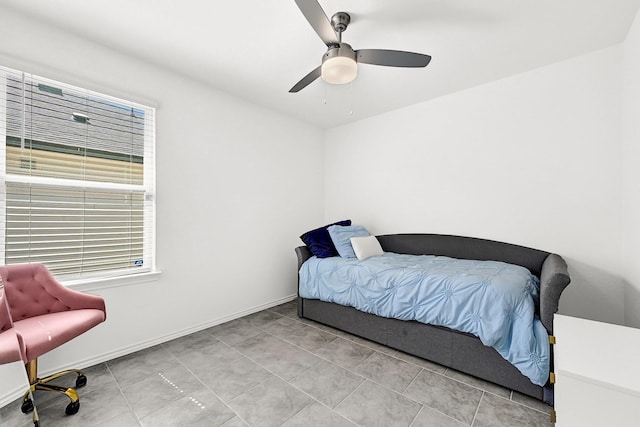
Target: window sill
[[94, 284]]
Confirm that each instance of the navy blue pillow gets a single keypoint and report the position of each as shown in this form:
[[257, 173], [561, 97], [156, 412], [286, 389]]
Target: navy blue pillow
[[319, 241]]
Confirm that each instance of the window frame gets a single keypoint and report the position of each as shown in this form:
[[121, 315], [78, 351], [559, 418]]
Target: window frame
[[108, 278]]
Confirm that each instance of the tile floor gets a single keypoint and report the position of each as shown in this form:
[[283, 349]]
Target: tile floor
[[274, 369]]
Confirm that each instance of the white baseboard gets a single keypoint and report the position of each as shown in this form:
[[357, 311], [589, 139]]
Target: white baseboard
[[10, 396]]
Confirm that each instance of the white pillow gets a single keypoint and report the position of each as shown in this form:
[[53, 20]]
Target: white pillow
[[365, 247]]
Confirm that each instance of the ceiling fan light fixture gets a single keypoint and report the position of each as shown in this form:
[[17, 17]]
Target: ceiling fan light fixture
[[339, 65], [340, 62], [339, 70]]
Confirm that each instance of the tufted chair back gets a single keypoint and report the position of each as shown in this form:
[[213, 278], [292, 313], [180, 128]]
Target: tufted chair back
[[32, 291]]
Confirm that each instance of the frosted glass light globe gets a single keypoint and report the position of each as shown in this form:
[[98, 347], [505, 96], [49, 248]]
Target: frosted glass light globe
[[339, 70]]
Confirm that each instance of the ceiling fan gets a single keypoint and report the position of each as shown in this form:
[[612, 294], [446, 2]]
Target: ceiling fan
[[340, 62]]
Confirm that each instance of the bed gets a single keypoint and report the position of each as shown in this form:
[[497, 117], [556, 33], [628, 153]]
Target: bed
[[461, 351]]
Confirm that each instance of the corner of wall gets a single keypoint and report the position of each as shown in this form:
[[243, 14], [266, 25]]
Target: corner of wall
[[631, 175], [631, 305]]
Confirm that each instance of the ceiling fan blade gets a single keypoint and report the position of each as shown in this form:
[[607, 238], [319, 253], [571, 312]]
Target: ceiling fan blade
[[312, 10], [392, 58], [306, 80]]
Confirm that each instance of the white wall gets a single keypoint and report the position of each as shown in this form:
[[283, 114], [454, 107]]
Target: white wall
[[631, 163], [235, 188], [533, 159]]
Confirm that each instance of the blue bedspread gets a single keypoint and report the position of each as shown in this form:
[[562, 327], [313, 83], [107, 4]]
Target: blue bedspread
[[491, 300]]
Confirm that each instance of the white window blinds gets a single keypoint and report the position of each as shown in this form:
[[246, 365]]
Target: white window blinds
[[77, 171]]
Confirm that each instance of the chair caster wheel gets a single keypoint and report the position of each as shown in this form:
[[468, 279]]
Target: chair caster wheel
[[73, 408], [81, 381], [27, 406]]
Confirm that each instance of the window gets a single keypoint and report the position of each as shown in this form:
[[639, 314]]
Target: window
[[76, 179]]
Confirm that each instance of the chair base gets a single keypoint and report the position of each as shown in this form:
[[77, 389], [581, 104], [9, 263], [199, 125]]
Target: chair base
[[42, 384]]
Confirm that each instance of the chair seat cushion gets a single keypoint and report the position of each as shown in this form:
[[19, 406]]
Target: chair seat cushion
[[43, 333]]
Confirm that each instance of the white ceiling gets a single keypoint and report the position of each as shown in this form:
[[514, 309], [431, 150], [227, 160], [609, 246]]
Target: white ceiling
[[259, 49]]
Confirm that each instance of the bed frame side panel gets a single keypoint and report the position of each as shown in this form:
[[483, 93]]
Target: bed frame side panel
[[444, 346]]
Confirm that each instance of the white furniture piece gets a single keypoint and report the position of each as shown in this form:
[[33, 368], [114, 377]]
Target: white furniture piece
[[597, 369]]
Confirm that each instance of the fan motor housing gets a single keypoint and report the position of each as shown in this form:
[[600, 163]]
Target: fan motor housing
[[344, 50]]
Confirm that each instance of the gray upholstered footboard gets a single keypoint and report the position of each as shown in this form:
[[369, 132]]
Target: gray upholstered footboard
[[447, 347]]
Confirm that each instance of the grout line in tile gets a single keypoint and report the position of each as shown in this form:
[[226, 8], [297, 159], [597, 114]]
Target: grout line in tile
[[416, 416], [461, 381], [477, 409], [251, 388], [521, 404], [305, 407], [350, 394], [126, 401], [412, 381], [237, 415], [395, 355], [139, 421], [422, 404], [302, 373], [364, 360]]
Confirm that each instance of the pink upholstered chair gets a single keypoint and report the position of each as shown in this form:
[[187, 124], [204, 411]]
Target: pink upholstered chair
[[46, 315], [9, 351]]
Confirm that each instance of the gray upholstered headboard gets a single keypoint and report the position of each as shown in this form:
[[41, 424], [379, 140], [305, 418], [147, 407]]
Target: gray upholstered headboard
[[464, 248]]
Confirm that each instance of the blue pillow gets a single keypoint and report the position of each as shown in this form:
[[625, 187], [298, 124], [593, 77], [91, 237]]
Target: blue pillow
[[340, 236], [319, 241]]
